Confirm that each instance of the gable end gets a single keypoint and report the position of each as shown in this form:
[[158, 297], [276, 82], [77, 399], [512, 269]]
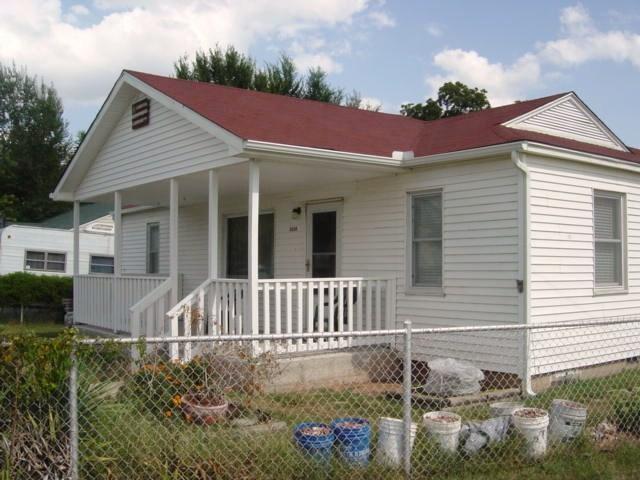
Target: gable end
[[568, 117]]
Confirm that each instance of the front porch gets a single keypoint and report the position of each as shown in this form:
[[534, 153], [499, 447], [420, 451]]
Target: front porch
[[309, 284]]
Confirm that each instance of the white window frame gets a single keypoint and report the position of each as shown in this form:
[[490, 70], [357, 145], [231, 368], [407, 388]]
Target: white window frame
[[412, 289], [45, 261], [93, 255], [149, 225], [623, 287]]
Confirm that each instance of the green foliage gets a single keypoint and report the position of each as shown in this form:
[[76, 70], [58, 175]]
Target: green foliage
[[233, 68], [34, 146], [626, 410], [454, 98], [21, 288]]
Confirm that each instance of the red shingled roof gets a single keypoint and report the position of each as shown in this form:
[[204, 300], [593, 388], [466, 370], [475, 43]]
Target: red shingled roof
[[291, 121]]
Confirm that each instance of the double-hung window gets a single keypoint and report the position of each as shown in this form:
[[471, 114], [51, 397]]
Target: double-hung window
[[101, 264], [153, 248], [45, 261], [237, 246], [426, 241], [609, 248]]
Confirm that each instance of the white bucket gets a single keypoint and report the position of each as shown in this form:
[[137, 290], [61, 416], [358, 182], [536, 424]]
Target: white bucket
[[504, 409], [567, 419], [444, 427], [532, 424], [391, 441]]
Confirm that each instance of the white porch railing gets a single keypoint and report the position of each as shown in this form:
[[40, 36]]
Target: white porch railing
[[103, 301], [299, 305]]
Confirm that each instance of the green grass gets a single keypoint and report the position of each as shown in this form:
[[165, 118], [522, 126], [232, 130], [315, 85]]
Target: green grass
[[120, 440], [44, 329]]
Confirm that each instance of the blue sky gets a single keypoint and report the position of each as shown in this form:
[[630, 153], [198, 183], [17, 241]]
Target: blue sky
[[392, 51]]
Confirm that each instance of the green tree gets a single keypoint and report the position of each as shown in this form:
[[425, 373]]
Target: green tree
[[454, 98], [232, 68], [34, 146]]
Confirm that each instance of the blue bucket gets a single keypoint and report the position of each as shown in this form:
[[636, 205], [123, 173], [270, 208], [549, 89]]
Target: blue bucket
[[353, 436], [313, 442]]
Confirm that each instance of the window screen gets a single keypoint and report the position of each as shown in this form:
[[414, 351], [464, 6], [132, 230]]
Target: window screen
[[426, 239], [153, 248], [237, 246], [607, 224], [45, 261], [101, 264]]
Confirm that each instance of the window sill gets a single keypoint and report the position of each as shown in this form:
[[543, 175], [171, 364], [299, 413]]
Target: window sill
[[602, 291], [425, 292]]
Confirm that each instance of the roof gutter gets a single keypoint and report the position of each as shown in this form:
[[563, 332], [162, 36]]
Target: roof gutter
[[278, 150]]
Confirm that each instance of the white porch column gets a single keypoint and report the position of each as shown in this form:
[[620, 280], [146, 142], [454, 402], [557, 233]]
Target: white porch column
[[174, 204], [213, 224], [254, 215], [76, 254], [116, 310], [117, 231]]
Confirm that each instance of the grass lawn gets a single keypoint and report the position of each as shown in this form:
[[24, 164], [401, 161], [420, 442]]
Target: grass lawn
[[44, 329], [119, 439]]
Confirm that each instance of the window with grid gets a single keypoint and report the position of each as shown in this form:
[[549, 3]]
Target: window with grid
[[153, 248], [45, 261], [101, 264], [426, 240], [608, 220]]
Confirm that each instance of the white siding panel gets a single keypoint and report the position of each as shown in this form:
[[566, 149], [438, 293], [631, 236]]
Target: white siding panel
[[562, 283], [16, 239], [166, 147]]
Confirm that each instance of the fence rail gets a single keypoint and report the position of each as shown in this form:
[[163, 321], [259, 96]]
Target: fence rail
[[379, 408]]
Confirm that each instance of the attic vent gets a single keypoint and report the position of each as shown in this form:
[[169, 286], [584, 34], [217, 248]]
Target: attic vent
[[140, 114]]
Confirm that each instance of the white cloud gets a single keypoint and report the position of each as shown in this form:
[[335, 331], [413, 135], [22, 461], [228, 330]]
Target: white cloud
[[371, 103], [434, 30], [382, 19], [305, 61], [580, 41], [83, 61]]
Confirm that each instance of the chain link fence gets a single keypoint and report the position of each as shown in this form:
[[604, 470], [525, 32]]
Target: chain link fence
[[406, 403]]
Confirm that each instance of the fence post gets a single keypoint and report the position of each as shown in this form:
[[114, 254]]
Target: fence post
[[73, 412], [406, 397]]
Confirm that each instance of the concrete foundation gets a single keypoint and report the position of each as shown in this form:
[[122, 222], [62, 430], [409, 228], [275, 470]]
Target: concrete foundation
[[543, 382]]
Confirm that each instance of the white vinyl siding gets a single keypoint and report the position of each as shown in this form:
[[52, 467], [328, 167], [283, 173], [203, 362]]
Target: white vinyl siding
[[608, 219], [569, 119], [168, 146], [563, 264], [425, 250]]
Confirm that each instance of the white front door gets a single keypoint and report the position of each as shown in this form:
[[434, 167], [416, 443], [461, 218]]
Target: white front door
[[324, 227]]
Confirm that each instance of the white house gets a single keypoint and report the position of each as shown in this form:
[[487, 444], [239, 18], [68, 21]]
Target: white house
[[47, 248], [272, 214]]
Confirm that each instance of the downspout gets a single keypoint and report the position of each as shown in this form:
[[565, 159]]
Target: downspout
[[524, 282]]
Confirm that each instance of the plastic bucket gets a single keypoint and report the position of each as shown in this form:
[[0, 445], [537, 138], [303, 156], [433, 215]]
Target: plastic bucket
[[390, 448], [353, 437], [315, 439], [566, 419], [504, 409], [532, 424], [444, 427]]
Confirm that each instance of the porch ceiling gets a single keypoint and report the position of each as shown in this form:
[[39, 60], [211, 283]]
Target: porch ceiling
[[276, 177]]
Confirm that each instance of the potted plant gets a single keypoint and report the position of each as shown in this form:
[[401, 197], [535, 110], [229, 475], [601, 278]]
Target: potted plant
[[205, 403]]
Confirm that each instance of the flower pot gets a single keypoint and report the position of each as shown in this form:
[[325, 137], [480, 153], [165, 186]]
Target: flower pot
[[567, 419], [204, 408], [444, 428], [532, 424], [353, 436], [315, 439], [390, 449]]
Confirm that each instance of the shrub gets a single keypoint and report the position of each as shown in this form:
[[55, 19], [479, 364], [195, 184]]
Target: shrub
[[626, 411], [25, 289]]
